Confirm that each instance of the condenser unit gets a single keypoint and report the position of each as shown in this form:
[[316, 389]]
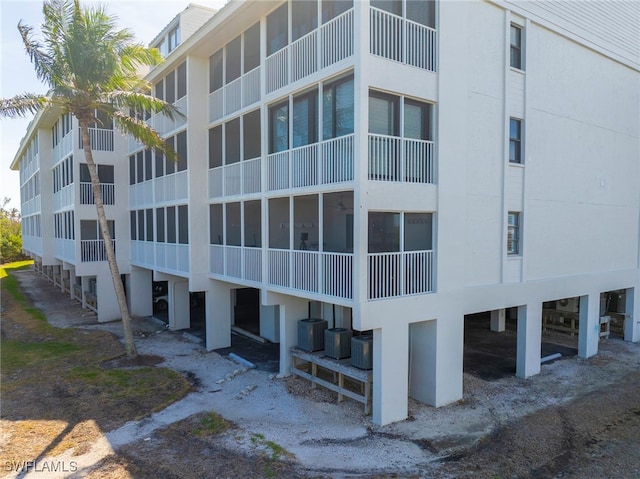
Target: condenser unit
[[311, 334], [337, 343], [362, 351], [568, 305]]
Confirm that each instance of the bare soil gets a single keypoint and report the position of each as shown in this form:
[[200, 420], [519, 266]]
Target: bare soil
[[578, 419]]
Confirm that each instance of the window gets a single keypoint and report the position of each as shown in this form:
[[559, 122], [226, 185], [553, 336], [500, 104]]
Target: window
[[233, 59], [233, 225], [105, 174], [421, 11], [133, 225], [181, 149], [417, 120], [305, 130], [170, 87], [252, 224], [215, 147], [147, 165], [418, 231], [160, 225], [277, 29], [173, 39], [513, 233], [183, 224], [337, 109], [332, 8], [516, 47], [252, 48], [232, 141], [160, 90], [515, 140], [215, 224], [384, 232], [182, 80], [215, 71], [384, 114], [279, 128], [304, 18], [251, 135]]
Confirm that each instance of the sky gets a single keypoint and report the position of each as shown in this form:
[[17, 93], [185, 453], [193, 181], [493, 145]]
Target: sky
[[145, 18]]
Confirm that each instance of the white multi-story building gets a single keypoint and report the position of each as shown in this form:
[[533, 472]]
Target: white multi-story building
[[392, 166]]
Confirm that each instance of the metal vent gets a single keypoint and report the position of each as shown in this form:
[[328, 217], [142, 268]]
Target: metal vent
[[362, 351], [311, 334], [337, 343]]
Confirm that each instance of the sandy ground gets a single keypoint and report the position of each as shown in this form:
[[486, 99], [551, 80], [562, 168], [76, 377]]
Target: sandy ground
[[336, 439]]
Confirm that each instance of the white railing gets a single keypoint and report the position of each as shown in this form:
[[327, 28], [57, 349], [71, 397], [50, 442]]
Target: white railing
[[216, 259], [233, 261], [400, 274], [101, 139], [304, 56], [329, 44], [252, 269], [304, 166], [94, 250], [397, 159], [63, 148], [337, 39], [33, 244], [163, 124], [63, 197], [251, 176], [402, 40], [251, 87], [279, 270], [172, 187], [216, 105], [140, 194], [301, 167], [65, 250], [233, 96], [337, 270], [337, 159], [305, 270], [108, 193], [232, 179], [216, 182]]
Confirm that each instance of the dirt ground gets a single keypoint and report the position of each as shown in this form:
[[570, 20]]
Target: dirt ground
[[577, 419]]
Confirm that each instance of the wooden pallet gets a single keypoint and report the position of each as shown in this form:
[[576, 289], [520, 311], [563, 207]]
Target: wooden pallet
[[307, 365]]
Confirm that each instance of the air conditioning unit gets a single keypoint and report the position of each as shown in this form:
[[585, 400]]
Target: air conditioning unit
[[568, 305], [337, 343], [311, 334], [362, 351]]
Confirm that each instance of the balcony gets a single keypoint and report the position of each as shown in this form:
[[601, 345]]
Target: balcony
[[329, 274], [63, 198], [329, 44], [65, 250], [108, 193], [400, 274], [101, 139], [239, 178], [94, 250], [327, 162], [402, 40], [63, 148], [167, 257], [400, 159], [239, 93]]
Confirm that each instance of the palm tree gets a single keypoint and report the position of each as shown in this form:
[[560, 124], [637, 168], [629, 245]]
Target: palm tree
[[91, 67]]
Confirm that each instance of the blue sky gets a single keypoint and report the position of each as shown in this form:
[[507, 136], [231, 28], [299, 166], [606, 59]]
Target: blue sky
[[144, 17]]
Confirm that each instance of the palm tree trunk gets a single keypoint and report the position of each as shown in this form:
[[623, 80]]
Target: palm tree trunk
[[106, 236]]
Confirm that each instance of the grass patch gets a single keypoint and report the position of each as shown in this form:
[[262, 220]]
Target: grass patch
[[272, 453], [19, 354], [211, 425], [15, 266]]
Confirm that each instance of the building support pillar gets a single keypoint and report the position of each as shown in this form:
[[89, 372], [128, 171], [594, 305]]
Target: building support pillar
[[291, 310], [390, 373], [498, 320], [632, 315], [179, 305], [140, 294], [219, 315], [529, 341], [589, 325]]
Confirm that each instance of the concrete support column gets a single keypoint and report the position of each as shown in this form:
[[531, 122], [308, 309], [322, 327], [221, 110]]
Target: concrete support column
[[390, 373], [108, 308], [72, 282], [589, 325], [219, 315], [632, 315], [179, 307], [498, 322], [291, 310], [435, 360], [140, 294], [529, 342], [270, 323]]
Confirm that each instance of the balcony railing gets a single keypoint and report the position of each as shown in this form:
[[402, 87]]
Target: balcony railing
[[400, 159], [329, 44], [101, 139], [63, 198], [330, 161], [402, 40], [94, 250], [239, 93], [235, 179], [108, 193], [400, 274], [65, 249], [327, 273], [63, 148]]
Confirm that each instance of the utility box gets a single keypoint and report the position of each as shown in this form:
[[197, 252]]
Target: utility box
[[311, 334], [362, 351], [337, 343]]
